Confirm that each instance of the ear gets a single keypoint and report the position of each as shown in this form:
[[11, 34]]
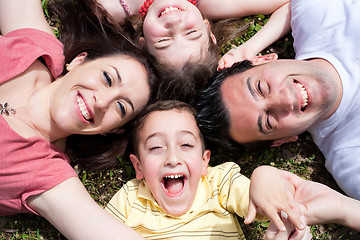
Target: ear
[[136, 163], [263, 59], [212, 36], [206, 159], [142, 41], [284, 140], [76, 61]]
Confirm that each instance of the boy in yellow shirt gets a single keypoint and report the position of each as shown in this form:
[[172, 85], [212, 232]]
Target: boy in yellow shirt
[[176, 194]]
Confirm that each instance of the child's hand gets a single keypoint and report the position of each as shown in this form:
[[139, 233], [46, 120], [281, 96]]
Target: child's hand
[[234, 55], [291, 233], [271, 194]]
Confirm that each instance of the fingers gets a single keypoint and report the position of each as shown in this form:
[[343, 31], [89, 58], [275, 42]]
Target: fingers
[[295, 218], [277, 222], [304, 234], [274, 234], [221, 65], [251, 213]]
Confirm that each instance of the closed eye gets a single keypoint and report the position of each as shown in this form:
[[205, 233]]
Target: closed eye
[[268, 122], [122, 108], [163, 40], [155, 148], [191, 31], [187, 145], [107, 78]]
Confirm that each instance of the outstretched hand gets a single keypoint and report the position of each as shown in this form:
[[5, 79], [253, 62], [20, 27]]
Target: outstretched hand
[[235, 55], [270, 195]]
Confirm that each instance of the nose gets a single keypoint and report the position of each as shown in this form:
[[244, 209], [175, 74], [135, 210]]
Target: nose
[[281, 101], [173, 159], [103, 101], [173, 22]]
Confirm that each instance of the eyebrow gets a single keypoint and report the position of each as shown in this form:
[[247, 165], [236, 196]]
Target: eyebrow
[[183, 132], [250, 88], [259, 121], [117, 74]]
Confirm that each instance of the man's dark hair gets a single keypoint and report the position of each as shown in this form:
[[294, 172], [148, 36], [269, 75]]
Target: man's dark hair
[[212, 116]]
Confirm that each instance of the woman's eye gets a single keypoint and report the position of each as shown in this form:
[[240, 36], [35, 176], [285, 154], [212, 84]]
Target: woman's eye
[[122, 108], [107, 78], [191, 31]]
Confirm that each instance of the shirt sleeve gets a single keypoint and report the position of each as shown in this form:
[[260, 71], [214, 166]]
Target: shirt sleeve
[[20, 48], [120, 204], [234, 189]]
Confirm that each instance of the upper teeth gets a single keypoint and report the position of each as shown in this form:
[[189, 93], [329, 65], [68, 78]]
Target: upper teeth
[[169, 9], [304, 94], [174, 176], [83, 108]]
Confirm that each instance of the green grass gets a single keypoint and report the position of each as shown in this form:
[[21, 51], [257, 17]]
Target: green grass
[[302, 158]]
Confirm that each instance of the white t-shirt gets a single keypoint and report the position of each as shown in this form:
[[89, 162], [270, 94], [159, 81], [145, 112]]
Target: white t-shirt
[[329, 29]]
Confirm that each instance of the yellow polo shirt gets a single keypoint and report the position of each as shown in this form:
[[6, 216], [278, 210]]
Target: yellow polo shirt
[[221, 194]]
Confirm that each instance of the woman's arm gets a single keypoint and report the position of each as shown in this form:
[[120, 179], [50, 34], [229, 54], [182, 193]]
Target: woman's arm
[[215, 9], [323, 204], [70, 208], [16, 14]]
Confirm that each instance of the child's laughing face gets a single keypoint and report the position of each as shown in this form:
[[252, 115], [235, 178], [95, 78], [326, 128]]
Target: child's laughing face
[[171, 159]]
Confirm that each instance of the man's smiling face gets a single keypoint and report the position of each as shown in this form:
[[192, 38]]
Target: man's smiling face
[[282, 98]]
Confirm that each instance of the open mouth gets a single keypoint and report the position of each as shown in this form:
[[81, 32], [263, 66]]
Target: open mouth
[[83, 109], [303, 94], [173, 184], [169, 10]]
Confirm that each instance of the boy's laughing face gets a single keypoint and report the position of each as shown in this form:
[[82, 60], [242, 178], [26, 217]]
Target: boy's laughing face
[[171, 159]]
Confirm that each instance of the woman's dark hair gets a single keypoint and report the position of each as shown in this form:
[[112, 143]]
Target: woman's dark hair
[[83, 27]]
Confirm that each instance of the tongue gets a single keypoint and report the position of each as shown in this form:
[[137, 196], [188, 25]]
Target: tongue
[[174, 186]]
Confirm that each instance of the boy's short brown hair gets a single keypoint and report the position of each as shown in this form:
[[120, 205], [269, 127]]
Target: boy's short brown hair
[[166, 105]]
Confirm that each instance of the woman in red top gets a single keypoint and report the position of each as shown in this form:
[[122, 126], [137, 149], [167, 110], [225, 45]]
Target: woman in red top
[[105, 84]]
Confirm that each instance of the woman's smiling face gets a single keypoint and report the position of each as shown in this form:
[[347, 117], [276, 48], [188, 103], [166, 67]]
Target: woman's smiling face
[[99, 95], [175, 32]]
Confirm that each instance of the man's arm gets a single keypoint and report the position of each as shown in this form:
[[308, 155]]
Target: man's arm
[[70, 208], [16, 14], [323, 204]]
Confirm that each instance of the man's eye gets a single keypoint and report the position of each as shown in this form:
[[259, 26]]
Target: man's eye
[[107, 78], [260, 89], [268, 122], [122, 108]]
